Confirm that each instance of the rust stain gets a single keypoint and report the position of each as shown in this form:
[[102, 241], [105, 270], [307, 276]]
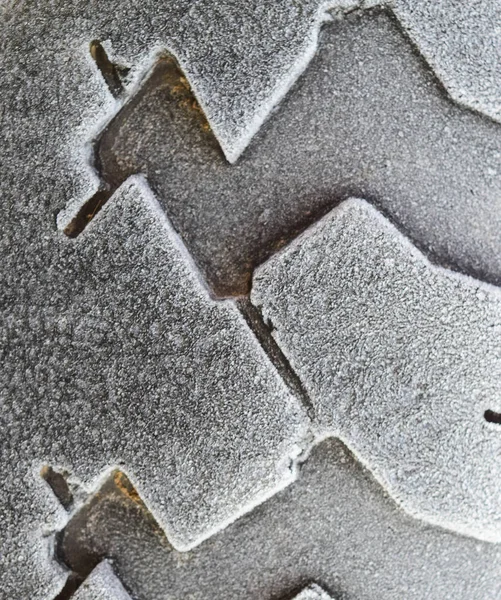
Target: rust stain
[[127, 489], [181, 90]]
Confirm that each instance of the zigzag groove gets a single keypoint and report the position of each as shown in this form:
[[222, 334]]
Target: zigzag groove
[[162, 133]]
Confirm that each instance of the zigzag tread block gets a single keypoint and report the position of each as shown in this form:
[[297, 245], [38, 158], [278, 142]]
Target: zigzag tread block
[[400, 358]]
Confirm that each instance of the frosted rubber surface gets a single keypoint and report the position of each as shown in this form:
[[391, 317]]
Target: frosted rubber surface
[[102, 584], [85, 330], [400, 358]]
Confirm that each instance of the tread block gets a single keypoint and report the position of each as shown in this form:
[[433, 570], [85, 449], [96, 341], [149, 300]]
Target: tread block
[[102, 584], [401, 360]]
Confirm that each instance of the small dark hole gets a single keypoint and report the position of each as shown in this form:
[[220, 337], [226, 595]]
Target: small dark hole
[[492, 417], [87, 212], [110, 71], [59, 486]]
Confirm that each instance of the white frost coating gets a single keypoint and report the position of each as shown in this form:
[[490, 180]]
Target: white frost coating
[[175, 390], [440, 30], [77, 340], [333, 526], [400, 358], [313, 592], [101, 584], [233, 148], [135, 200], [461, 43], [26, 540]]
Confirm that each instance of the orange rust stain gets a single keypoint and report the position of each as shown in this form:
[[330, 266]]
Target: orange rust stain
[[180, 89], [125, 486]]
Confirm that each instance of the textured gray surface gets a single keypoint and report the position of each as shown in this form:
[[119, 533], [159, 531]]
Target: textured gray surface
[[400, 358], [333, 526], [461, 42], [433, 166], [102, 584], [147, 373], [80, 360]]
